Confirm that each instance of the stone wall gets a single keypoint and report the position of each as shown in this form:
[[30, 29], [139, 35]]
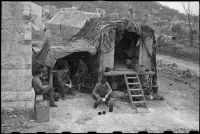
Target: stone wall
[[35, 12], [16, 53]]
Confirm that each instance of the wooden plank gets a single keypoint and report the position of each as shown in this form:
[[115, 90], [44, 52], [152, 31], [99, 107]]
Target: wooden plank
[[135, 89], [137, 95], [136, 102], [129, 93], [116, 73], [141, 90], [131, 77], [135, 83]]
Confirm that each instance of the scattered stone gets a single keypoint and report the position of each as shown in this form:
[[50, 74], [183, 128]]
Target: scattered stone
[[151, 97], [14, 116], [174, 65], [187, 73], [159, 62], [187, 83]]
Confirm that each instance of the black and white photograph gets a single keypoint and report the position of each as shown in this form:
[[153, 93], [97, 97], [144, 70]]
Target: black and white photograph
[[100, 66]]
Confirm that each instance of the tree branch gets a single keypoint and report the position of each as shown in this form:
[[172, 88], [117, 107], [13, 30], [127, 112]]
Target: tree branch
[[195, 20]]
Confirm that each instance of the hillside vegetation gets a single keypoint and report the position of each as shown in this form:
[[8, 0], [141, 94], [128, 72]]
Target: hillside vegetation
[[140, 8], [118, 6]]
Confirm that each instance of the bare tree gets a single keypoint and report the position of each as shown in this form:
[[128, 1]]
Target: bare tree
[[191, 19]]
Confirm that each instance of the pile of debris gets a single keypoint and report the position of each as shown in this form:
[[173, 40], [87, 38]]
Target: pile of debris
[[16, 120], [187, 73], [168, 67], [122, 96], [184, 76], [173, 65]]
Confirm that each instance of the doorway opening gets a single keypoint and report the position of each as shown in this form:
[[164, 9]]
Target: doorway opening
[[126, 50]]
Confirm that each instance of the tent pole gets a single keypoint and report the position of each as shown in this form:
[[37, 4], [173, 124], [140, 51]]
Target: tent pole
[[50, 76]]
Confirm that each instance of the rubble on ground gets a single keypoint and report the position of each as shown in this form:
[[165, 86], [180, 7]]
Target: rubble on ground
[[16, 120], [120, 95], [187, 73], [173, 67], [172, 71]]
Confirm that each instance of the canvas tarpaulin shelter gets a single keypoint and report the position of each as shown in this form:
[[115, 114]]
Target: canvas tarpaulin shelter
[[97, 35], [65, 24]]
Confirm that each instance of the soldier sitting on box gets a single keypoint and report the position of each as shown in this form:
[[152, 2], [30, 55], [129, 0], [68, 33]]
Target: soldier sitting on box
[[43, 90], [102, 91]]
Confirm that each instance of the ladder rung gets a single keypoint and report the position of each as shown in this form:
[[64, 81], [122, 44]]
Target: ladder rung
[[135, 102], [133, 83], [137, 95], [131, 77], [138, 89]]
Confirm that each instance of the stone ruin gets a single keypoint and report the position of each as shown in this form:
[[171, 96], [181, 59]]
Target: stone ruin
[[16, 52]]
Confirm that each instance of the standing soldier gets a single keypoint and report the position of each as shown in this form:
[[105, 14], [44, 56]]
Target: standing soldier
[[82, 71]]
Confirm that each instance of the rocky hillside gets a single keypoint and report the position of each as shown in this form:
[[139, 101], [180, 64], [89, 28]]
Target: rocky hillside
[[120, 7]]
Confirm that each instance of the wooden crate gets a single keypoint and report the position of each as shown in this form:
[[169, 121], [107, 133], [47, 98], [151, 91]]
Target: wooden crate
[[42, 111]]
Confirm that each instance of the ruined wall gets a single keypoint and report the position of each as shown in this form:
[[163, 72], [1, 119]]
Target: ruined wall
[[66, 24], [16, 57], [35, 12]]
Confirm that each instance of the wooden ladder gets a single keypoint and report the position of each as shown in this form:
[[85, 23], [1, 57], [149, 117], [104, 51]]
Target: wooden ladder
[[131, 90]]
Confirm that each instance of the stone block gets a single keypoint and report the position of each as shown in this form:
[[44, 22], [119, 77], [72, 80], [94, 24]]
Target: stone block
[[8, 96], [17, 46], [15, 39], [18, 96], [28, 34], [14, 105], [16, 77], [25, 96], [9, 25], [16, 61], [16, 80], [30, 104], [27, 8], [11, 10]]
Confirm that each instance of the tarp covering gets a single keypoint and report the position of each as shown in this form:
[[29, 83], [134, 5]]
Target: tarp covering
[[72, 18], [96, 34], [57, 52], [66, 24]]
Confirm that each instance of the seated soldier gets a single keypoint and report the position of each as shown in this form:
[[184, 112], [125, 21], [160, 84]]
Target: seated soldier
[[44, 79], [82, 71], [101, 91], [62, 78], [43, 90]]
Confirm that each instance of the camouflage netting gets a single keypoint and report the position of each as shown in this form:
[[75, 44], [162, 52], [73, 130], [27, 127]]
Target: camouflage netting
[[96, 33], [95, 25], [38, 60], [94, 30]]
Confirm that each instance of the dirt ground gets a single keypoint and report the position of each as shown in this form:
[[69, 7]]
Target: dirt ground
[[178, 112], [182, 64]]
